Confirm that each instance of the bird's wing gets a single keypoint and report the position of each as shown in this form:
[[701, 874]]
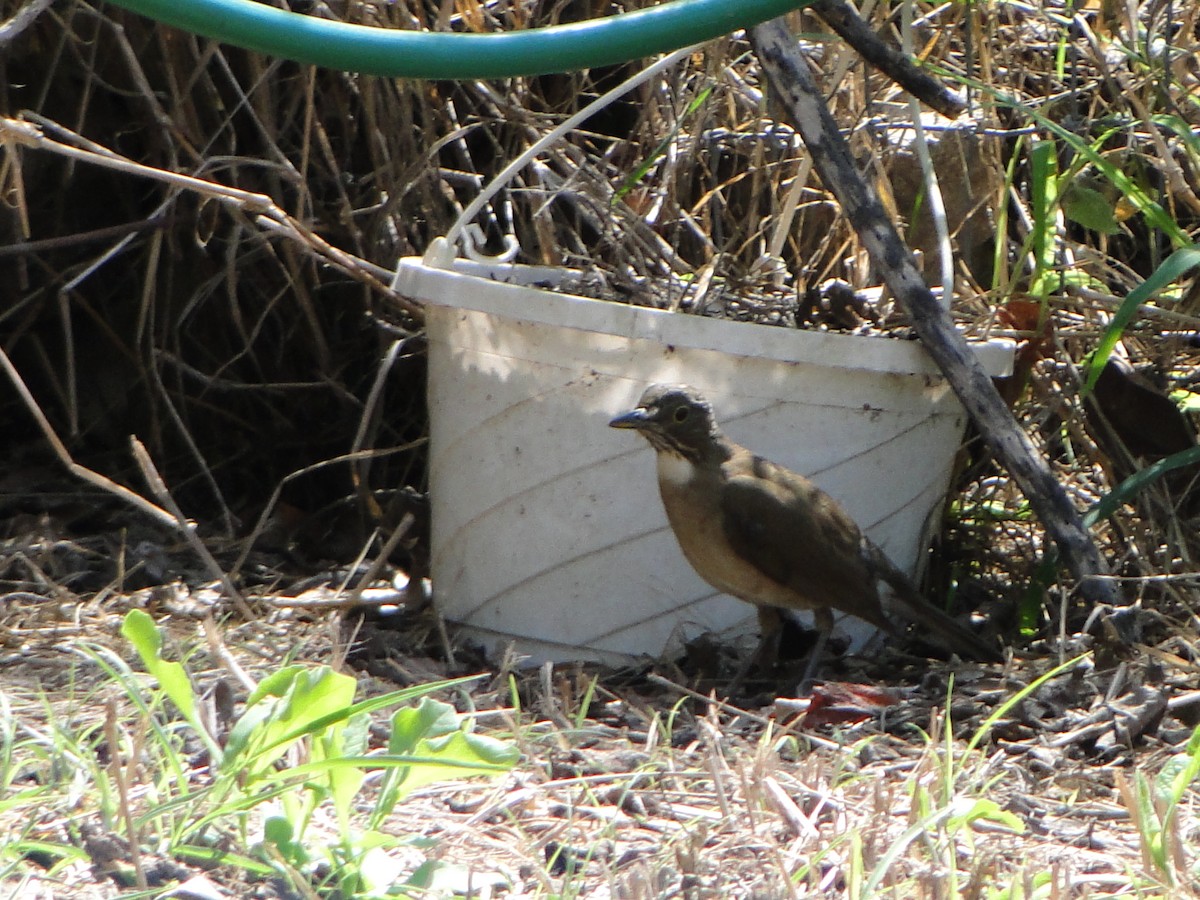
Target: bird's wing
[[799, 536]]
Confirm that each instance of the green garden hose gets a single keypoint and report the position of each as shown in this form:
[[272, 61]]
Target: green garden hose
[[453, 55]]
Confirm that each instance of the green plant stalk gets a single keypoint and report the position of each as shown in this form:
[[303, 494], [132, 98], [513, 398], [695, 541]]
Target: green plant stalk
[[635, 177], [1031, 598], [1182, 131], [457, 56], [1001, 276], [219, 856], [139, 629], [1043, 190], [1060, 54], [855, 868], [1173, 267], [1138, 481], [945, 822], [1003, 709], [1158, 805], [948, 774], [585, 702], [1150, 827], [1155, 215]]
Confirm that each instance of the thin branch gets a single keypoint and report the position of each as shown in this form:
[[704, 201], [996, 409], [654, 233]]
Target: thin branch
[[850, 27], [60, 450], [259, 207], [187, 527]]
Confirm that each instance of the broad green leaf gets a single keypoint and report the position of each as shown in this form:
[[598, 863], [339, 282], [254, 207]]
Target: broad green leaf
[[139, 629], [288, 705], [432, 732], [1090, 208]]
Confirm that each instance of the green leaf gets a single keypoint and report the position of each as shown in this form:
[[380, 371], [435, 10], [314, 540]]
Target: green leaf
[[1043, 201], [1187, 401], [1091, 151], [1181, 129], [1173, 267], [1138, 481], [431, 731], [647, 164], [139, 629], [344, 781], [1090, 208], [980, 809], [1177, 775], [379, 870], [286, 706], [278, 831], [410, 726]]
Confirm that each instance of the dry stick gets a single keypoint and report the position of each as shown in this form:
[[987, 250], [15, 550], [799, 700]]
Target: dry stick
[[22, 19], [156, 222], [187, 527], [788, 76], [850, 27], [381, 558], [359, 475], [220, 650], [119, 773], [260, 207], [64, 456], [378, 597]]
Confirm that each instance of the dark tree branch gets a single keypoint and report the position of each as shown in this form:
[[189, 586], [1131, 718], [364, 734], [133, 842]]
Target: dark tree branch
[[850, 27], [787, 73]]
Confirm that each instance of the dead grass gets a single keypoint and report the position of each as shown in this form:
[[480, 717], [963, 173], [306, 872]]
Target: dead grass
[[636, 789]]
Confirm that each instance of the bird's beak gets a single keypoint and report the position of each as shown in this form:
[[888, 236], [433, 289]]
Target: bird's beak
[[635, 418]]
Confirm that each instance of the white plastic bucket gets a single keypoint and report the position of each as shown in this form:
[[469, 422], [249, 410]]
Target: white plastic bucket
[[548, 532]]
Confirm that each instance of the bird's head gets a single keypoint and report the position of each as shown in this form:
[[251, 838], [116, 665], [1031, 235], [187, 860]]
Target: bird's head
[[674, 418]]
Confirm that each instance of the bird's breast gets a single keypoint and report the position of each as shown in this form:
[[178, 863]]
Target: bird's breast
[[692, 499]]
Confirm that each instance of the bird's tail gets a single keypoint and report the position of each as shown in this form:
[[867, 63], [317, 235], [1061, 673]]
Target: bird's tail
[[953, 635]]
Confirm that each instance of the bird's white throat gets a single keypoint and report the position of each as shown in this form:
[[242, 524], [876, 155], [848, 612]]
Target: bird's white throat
[[674, 469]]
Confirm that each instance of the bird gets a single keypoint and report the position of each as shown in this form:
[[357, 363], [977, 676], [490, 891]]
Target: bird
[[769, 536]]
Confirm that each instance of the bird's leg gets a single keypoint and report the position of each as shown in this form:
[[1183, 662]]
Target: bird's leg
[[770, 629], [766, 654], [823, 620]]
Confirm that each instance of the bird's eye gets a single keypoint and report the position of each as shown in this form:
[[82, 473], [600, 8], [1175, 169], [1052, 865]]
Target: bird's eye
[[681, 414]]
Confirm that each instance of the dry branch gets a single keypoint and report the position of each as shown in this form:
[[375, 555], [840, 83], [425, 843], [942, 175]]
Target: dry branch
[[849, 25], [258, 207], [787, 72]]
